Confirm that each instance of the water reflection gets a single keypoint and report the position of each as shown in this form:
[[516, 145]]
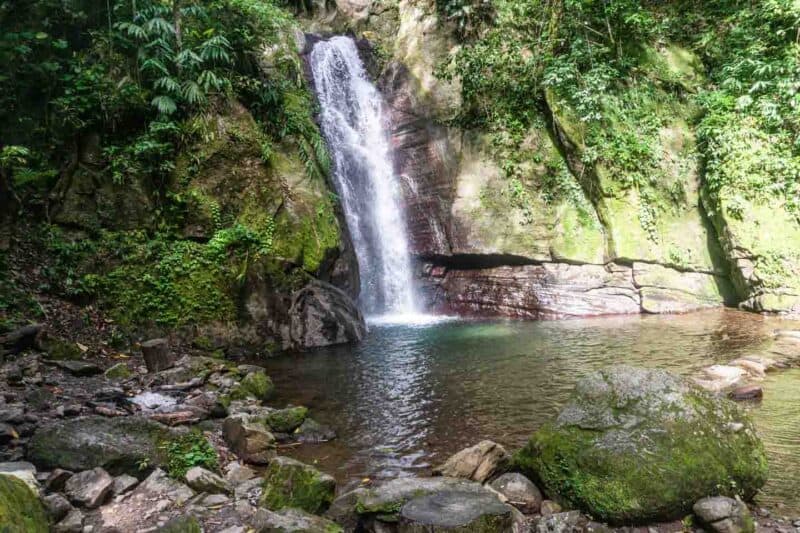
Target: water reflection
[[408, 397]]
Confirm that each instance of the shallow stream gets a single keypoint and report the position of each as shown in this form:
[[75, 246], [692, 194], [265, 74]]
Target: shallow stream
[[409, 396]]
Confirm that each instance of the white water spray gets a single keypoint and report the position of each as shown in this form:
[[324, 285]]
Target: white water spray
[[355, 128]]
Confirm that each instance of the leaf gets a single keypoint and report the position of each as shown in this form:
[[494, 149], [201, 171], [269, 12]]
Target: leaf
[[192, 93], [164, 104]]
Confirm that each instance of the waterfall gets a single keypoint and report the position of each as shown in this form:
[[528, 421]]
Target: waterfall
[[353, 122]]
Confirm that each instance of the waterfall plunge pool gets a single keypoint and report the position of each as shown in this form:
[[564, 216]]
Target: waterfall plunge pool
[[410, 395]]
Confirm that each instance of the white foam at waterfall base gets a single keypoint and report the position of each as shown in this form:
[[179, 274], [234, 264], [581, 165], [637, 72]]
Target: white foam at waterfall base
[[354, 124], [410, 319]]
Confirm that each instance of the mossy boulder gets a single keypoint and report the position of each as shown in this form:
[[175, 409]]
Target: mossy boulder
[[286, 420], [119, 445], [290, 483], [20, 509], [637, 445], [118, 371], [255, 384]]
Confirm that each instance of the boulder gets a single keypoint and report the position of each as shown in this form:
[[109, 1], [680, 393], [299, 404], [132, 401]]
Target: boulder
[[255, 384], [568, 522], [748, 392], [286, 420], [343, 509], [90, 488], [467, 511], [157, 355], [519, 491], [118, 371], [249, 439], [290, 483], [78, 368], [322, 315], [20, 508], [57, 478], [636, 445], [19, 339], [116, 444], [724, 515], [57, 506], [202, 480], [477, 463], [23, 471], [292, 521]]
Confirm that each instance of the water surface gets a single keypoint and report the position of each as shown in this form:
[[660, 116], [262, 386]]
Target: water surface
[[409, 396]]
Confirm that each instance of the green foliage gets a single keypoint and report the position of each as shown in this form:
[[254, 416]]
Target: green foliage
[[187, 451], [469, 17]]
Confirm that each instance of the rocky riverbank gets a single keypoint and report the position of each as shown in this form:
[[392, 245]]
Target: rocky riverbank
[[169, 439]]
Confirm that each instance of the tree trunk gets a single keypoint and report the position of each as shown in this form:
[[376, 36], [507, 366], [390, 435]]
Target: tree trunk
[[176, 16]]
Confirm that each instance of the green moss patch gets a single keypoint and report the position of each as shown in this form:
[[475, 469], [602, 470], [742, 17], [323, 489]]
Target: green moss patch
[[289, 483], [20, 509]]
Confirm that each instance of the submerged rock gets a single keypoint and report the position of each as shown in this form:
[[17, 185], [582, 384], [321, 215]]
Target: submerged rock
[[477, 463], [116, 444], [290, 483], [311, 431], [20, 508], [635, 445], [286, 420]]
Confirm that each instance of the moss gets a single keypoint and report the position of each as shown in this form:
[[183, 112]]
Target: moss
[[289, 483], [60, 349], [286, 420], [20, 509], [660, 477], [118, 371], [255, 384], [182, 524]]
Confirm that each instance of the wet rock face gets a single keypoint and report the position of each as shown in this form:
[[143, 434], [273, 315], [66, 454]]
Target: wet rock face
[[477, 463], [635, 445], [322, 315], [467, 511], [537, 291]]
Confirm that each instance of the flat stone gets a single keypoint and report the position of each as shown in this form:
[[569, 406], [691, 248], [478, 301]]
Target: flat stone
[[215, 500], [176, 418], [77, 368], [477, 463], [123, 484], [203, 480], [292, 521], [466, 511], [519, 491], [90, 488]]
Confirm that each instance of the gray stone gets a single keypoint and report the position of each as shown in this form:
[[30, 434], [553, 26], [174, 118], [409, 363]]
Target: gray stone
[[203, 480], [724, 515], [477, 463], [123, 484], [73, 523], [343, 509], [292, 521], [23, 471], [464, 510], [388, 498], [78, 368], [322, 315], [519, 491], [157, 355], [549, 507], [215, 500], [57, 506], [90, 488], [312, 432], [236, 473], [249, 439], [117, 444], [560, 523], [57, 478]]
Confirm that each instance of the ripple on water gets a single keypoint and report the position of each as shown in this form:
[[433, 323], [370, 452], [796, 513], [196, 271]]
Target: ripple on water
[[409, 396]]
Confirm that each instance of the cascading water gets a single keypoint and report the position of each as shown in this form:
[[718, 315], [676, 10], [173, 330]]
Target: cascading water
[[354, 126]]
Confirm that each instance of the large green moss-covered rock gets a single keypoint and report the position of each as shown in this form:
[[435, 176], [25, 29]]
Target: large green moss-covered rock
[[636, 445], [21, 511], [290, 483], [255, 384]]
